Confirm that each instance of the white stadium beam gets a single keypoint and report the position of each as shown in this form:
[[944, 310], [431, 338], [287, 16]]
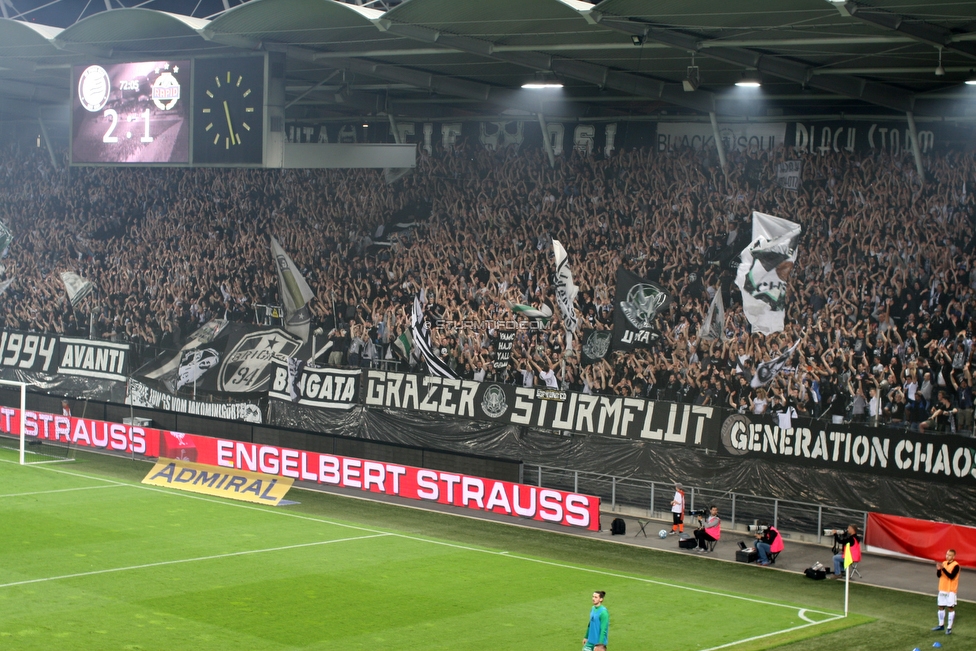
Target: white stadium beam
[[917, 30]]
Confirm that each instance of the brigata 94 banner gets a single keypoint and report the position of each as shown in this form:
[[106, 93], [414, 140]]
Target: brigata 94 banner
[[478, 493]]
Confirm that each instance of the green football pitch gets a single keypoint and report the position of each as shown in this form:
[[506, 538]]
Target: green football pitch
[[91, 559]]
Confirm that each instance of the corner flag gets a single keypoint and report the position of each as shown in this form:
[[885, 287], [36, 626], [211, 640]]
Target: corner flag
[[848, 559]]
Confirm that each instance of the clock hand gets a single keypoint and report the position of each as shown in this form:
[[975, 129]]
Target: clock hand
[[230, 127]]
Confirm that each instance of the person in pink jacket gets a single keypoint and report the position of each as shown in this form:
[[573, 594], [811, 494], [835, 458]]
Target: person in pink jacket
[[709, 529]]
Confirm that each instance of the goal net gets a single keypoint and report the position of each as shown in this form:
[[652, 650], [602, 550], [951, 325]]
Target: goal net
[[18, 441]]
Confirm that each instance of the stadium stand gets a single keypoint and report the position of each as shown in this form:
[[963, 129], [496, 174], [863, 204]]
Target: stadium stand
[[882, 295]]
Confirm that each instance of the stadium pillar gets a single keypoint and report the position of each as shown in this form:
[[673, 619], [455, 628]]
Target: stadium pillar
[[915, 149], [545, 141], [47, 141], [396, 132], [718, 143]]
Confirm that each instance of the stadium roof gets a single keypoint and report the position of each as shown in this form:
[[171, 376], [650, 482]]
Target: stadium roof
[[443, 59]]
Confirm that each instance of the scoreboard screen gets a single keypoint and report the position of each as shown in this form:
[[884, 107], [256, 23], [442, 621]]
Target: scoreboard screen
[[131, 113]]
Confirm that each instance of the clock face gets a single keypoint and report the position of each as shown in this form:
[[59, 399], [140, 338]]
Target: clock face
[[228, 125]]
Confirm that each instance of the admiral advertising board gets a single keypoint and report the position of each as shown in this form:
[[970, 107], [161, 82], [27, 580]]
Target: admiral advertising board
[[905, 454], [633, 418], [423, 484]]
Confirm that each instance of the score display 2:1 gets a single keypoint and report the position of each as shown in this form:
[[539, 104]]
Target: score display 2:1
[[131, 113]]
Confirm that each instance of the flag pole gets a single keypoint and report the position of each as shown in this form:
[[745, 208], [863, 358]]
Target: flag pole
[[847, 588]]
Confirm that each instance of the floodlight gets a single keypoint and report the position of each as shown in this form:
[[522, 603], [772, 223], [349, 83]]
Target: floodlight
[[750, 79]]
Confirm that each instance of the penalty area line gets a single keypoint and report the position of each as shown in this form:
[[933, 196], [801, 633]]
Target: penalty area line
[[187, 560]]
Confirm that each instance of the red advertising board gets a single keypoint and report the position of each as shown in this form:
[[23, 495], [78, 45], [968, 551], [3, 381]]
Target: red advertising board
[[478, 493], [922, 538]]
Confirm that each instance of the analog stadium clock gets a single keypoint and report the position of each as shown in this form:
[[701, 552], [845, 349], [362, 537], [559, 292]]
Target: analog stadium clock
[[228, 111]]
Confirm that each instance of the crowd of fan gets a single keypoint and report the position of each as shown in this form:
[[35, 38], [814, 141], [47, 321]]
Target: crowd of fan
[[882, 294]]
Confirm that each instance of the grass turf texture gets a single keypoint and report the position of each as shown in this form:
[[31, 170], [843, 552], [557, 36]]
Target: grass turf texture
[[343, 573]]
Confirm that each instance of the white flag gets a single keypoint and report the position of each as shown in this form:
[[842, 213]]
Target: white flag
[[714, 326], [295, 293], [565, 289], [76, 286], [764, 270]]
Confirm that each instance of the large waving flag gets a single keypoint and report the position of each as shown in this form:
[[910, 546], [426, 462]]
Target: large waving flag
[[295, 293], [421, 339], [764, 269], [565, 289]]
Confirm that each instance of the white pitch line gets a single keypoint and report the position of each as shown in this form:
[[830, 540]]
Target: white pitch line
[[805, 618], [176, 493], [186, 560], [765, 635], [59, 490]]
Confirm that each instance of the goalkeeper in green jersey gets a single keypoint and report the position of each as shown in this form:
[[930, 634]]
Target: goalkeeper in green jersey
[[599, 626]]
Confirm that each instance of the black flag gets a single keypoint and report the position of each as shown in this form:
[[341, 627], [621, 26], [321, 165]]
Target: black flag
[[636, 306]]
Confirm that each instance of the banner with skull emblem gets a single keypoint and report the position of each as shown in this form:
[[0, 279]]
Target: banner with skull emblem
[[637, 304]]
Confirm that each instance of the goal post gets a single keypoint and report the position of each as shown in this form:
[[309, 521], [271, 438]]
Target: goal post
[[30, 449], [22, 425]]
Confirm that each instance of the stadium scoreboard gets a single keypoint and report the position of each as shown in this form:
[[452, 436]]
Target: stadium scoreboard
[[207, 111]]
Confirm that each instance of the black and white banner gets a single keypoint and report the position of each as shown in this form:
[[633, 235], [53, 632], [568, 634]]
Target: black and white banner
[[29, 351], [90, 358], [328, 388], [905, 454], [143, 395], [240, 360], [636, 306], [736, 136], [633, 418], [789, 174], [421, 339], [766, 372]]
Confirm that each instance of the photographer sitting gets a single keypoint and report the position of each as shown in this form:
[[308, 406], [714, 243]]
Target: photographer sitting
[[768, 541], [709, 529], [842, 539]]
